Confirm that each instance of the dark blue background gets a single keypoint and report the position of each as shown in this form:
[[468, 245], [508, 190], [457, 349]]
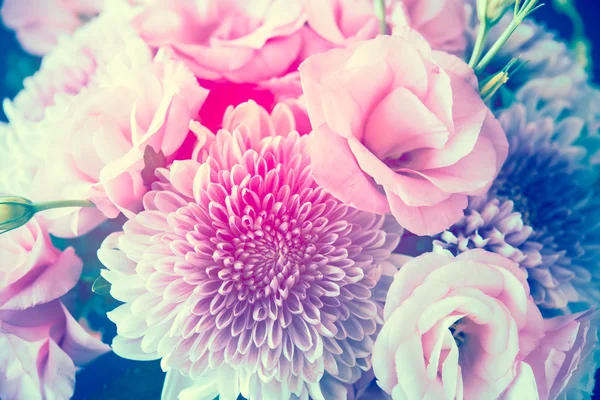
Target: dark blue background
[[111, 377]]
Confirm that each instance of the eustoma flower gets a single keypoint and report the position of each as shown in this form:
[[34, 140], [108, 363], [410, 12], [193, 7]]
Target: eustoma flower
[[42, 347], [33, 271], [456, 328], [565, 361], [39, 23], [79, 63], [102, 134], [235, 40], [339, 23], [441, 22], [233, 48], [245, 276], [44, 25], [408, 126]]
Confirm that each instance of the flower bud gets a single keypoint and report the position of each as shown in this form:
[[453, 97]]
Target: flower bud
[[490, 86], [14, 212], [492, 10]]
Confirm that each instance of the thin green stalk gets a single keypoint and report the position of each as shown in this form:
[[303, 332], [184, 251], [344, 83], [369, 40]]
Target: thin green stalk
[[579, 42], [379, 6], [520, 14], [482, 35], [61, 204]]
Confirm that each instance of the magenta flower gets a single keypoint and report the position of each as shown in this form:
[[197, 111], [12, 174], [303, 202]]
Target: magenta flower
[[243, 274]]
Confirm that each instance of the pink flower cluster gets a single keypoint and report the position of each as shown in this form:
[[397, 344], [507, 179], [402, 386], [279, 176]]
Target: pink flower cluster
[[268, 157], [42, 344]]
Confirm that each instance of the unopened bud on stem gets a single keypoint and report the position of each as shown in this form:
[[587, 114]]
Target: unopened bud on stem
[[14, 212], [17, 211], [492, 10], [491, 85]]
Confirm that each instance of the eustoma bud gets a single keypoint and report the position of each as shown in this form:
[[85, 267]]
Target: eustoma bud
[[489, 13], [488, 87], [492, 10], [14, 212], [17, 211]]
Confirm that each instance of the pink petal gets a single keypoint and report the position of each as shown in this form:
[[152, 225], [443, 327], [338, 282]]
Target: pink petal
[[428, 220], [43, 284], [471, 173], [329, 152], [401, 123]]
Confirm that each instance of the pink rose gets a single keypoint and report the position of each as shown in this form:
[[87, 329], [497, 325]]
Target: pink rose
[[41, 350], [441, 22], [233, 40], [39, 23], [400, 128], [565, 356], [456, 328], [33, 271], [99, 138]]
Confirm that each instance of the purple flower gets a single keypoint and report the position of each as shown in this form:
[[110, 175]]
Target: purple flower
[[493, 225], [540, 212], [575, 106]]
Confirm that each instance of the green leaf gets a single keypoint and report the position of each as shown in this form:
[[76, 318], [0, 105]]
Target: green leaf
[[101, 286], [152, 161]]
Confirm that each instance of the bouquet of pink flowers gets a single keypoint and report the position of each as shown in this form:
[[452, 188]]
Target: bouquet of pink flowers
[[294, 199]]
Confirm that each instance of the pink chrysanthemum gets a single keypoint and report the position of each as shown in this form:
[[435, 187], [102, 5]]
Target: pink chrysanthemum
[[243, 274]]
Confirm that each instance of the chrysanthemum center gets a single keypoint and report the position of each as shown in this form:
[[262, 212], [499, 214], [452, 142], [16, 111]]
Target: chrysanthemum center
[[269, 254], [514, 192]]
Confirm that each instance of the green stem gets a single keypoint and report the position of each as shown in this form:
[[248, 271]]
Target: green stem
[[568, 8], [496, 47], [379, 6], [520, 15], [579, 42], [61, 204], [482, 35]]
